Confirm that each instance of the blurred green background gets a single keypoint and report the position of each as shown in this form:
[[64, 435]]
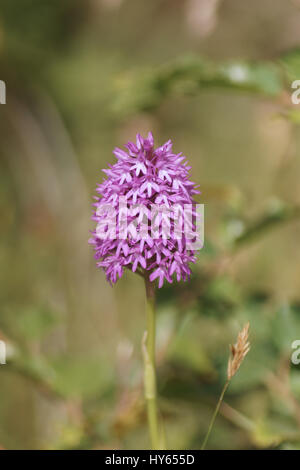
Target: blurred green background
[[83, 76]]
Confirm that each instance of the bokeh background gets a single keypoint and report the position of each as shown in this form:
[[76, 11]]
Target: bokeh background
[[83, 76]]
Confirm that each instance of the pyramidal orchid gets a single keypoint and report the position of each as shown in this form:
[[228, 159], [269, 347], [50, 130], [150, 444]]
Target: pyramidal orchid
[[146, 220]]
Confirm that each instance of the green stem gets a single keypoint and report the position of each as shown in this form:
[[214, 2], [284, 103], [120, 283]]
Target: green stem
[[215, 415], [149, 364]]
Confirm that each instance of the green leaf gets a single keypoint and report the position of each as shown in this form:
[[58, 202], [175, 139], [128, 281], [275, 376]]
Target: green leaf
[[291, 64], [145, 90], [284, 329], [187, 350], [34, 323]]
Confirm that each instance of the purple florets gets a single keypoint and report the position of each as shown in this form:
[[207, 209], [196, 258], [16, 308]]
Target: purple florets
[[146, 177]]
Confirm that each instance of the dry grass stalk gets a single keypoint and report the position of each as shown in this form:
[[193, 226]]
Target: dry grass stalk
[[238, 352]]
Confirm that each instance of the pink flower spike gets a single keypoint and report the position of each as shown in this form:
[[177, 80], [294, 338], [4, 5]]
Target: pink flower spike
[[143, 176]]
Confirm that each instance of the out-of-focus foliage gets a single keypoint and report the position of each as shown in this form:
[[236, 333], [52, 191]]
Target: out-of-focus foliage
[[83, 76], [191, 75]]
